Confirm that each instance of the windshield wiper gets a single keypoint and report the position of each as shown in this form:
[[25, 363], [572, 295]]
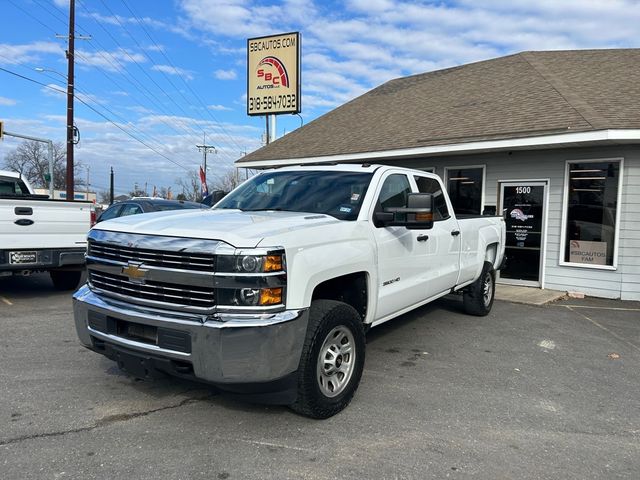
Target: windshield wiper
[[275, 209]]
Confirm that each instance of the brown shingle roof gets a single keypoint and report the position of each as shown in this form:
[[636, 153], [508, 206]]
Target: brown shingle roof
[[527, 94]]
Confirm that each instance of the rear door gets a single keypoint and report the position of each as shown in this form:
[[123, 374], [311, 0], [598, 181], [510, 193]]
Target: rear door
[[443, 246]]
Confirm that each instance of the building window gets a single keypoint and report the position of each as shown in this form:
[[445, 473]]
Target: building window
[[465, 186], [591, 210]]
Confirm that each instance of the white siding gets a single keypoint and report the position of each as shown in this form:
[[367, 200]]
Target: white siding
[[624, 282]]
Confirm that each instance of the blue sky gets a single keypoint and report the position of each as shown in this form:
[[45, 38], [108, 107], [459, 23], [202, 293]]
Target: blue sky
[[165, 71]]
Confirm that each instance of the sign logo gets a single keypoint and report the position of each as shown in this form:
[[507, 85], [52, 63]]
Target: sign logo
[[134, 272], [519, 215], [272, 74]]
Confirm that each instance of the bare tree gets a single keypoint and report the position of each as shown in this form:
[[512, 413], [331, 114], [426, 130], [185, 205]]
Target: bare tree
[[190, 186], [104, 196], [31, 159], [227, 181]]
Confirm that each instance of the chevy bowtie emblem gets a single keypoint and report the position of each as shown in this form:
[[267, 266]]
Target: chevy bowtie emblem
[[135, 272]]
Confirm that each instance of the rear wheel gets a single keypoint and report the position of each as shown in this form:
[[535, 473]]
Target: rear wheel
[[332, 359], [65, 279], [478, 297]]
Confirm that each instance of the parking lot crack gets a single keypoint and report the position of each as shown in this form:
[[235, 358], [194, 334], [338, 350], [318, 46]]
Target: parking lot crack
[[103, 422]]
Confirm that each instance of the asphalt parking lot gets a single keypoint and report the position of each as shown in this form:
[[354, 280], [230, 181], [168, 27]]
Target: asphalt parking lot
[[527, 392]]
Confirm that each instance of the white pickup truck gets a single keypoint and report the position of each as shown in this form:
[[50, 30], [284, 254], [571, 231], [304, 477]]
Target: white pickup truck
[[271, 292], [38, 234]]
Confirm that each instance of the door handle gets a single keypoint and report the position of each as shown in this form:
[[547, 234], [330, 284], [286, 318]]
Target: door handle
[[23, 211], [455, 233], [422, 238]]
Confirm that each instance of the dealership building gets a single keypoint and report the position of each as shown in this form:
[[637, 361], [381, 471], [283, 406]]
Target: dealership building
[[550, 139]]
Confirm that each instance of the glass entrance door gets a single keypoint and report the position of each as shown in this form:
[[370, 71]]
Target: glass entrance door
[[523, 205]]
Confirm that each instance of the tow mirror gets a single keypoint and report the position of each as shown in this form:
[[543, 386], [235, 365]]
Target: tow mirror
[[417, 215]]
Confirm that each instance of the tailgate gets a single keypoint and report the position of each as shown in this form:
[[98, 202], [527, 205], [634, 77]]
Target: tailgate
[[35, 224]]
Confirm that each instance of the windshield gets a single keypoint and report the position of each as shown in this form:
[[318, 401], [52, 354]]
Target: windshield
[[338, 194]]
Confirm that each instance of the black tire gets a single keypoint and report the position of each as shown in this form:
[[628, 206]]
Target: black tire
[[332, 359], [478, 297], [65, 279]]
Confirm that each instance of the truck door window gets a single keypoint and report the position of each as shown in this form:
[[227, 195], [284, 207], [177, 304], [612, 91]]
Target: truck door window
[[431, 185], [394, 192], [12, 186]]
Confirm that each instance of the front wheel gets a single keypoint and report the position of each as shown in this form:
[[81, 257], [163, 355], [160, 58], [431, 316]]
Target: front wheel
[[332, 359], [478, 297]]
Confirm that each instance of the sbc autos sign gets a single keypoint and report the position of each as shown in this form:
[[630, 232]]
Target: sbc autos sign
[[273, 74]]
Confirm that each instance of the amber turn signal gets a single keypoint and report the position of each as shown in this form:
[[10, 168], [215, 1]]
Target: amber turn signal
[[424, 217], [270, 296], [272, 263]]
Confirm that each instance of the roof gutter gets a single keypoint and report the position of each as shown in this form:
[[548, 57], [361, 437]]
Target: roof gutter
[[563, 140]]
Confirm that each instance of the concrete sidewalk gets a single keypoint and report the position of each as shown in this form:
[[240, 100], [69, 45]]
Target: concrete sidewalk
[[527, 295]]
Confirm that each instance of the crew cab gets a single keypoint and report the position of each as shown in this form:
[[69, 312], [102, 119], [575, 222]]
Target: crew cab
[[38, 234], [271, 292]]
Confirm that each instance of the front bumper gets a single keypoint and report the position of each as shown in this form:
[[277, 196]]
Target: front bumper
[[241, 350]]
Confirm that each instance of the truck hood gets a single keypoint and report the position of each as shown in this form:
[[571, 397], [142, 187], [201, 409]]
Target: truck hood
[[235, 227]]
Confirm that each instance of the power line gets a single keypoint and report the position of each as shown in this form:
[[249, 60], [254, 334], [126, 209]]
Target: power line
[[132, 80], [144, 29], [32, 16], [102, 105], [185, 129], [133, 60], [98, 113], [54, 11]]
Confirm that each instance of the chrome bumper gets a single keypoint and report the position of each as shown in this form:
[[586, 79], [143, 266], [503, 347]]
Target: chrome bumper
[[240, 349]]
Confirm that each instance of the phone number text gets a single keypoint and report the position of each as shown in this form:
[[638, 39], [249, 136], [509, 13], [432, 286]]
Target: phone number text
[[271, 102]]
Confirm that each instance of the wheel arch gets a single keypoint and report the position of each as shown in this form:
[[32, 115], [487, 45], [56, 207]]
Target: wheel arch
[[352, 289]]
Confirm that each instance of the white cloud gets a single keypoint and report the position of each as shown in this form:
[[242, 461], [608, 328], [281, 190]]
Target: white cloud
[[218, 107], [53, 90], [7, 102], [225, 74], [27, 53], [186, 74], [111, 61]]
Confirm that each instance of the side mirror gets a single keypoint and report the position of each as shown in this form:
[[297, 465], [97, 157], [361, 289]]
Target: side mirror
[[417, 215]]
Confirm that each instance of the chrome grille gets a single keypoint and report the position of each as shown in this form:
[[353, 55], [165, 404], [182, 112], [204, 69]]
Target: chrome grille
[[168, 293], [180, 260]]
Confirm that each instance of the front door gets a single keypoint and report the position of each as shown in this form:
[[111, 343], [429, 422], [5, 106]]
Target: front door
[[402, 253], [523, 205]]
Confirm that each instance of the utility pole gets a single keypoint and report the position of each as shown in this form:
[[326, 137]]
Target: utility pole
[[204, 148], [70, 64], [70, 84], [111, 187]]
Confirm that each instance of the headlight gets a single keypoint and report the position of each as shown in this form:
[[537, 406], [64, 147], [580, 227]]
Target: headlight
[[252, 297], [251, 263], [252, 279]]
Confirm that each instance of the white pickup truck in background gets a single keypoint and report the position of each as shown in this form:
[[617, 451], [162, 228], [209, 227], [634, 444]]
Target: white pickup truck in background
[[271, 292], [38, 234]]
